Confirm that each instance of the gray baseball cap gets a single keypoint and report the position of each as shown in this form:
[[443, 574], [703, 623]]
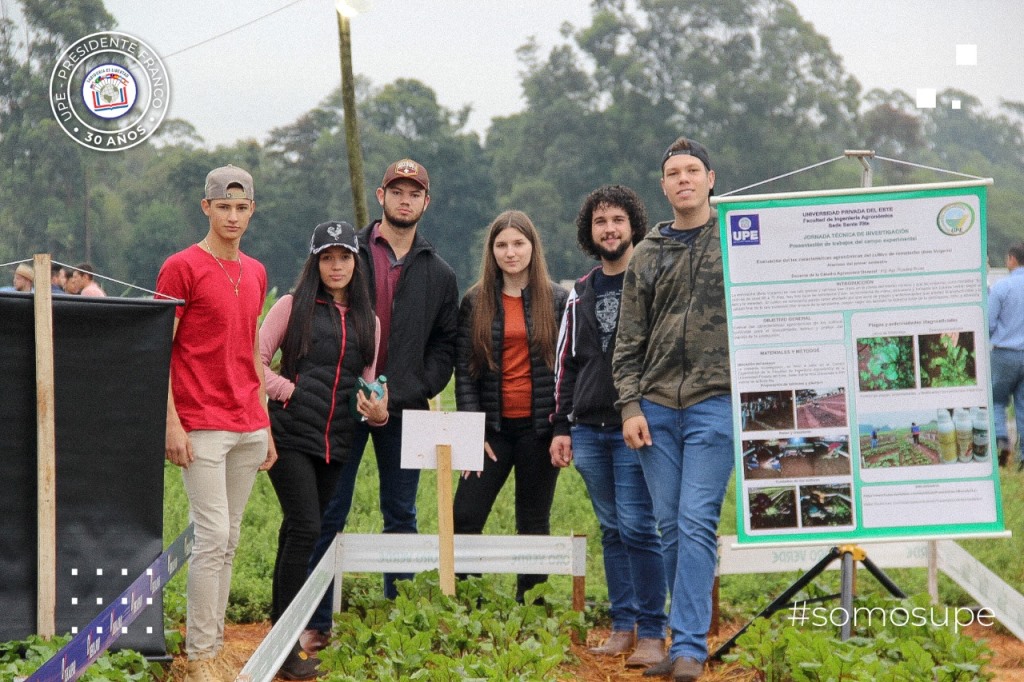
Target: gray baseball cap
[[220, 179]]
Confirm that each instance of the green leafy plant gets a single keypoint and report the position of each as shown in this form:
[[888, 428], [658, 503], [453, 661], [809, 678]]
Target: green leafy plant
[[878, 649], [481, 633], [22, 658], [947, 362], [886, 363]]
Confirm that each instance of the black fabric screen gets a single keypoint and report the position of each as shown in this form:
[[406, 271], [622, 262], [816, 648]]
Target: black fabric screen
[[111, 360]]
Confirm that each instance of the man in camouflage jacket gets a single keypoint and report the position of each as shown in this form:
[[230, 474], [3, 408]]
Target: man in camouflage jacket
[[671, 370]]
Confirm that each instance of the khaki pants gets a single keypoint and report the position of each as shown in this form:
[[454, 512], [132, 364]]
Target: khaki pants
[[218, 484]]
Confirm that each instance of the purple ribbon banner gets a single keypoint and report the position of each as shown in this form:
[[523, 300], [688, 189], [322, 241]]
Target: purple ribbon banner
[[68, 664]]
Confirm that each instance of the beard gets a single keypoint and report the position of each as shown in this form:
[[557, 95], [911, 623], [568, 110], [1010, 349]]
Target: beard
[[400, 223], [613, 254]]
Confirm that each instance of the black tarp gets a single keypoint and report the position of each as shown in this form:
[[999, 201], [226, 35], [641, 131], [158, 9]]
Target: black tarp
[[111, 360]]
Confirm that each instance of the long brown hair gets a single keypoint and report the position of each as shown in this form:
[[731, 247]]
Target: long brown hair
[[543, 327]]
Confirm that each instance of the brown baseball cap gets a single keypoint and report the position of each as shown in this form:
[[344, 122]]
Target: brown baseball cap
[[220, 179], [409, 170]]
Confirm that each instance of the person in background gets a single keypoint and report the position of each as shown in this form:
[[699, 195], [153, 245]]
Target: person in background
[[671, 370], [23, 278], [416, 297], [588, 429], [218, 429], [327, 334], [82, 282], [57, 279], [1006, 333], [504, 367], [69, 281]]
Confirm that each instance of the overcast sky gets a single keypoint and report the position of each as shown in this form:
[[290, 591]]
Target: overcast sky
[[267, 73]]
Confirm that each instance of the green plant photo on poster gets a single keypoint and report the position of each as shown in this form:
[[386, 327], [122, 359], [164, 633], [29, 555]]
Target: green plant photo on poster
[[886, 363], [947, 359]]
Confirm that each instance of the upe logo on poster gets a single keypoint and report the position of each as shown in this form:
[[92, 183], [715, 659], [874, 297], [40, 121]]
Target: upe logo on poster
[[109, 91], [745, 229]]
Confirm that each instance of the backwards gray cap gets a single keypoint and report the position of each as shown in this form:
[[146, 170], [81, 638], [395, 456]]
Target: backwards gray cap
[[220, 179]]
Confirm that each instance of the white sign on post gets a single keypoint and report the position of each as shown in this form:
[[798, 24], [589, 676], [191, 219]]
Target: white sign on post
[[424, 430]]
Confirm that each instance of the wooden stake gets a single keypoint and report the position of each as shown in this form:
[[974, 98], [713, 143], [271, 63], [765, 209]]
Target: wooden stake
[[46, 474], [445, 520]]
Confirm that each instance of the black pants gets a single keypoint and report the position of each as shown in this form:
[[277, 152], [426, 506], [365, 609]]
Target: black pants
[[304, 485], [516, 446]]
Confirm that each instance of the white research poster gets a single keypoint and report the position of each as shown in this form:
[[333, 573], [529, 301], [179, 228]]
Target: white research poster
[[859, 357]]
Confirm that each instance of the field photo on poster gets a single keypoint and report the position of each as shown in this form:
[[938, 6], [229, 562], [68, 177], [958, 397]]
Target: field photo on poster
[[796, 457], [767, 411], [821, 408]]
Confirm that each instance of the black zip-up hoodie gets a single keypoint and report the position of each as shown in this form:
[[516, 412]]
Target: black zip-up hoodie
[[584, 390]]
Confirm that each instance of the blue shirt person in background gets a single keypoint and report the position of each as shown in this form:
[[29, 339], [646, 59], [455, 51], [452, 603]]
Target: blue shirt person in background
[[1006, 332]]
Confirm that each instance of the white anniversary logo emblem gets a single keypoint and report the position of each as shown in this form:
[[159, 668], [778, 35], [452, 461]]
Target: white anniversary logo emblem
[[109, 91]]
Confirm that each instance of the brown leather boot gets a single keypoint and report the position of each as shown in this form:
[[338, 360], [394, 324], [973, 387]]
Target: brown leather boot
[[662, 668], [618, 643], [202, 671], [227, 666], [648, 652], [686, 669]]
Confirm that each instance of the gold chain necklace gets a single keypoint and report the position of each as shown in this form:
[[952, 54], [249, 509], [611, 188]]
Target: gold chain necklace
[[224, 270]]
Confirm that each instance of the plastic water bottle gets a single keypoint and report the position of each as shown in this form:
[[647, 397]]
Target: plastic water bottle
[[369, 390]]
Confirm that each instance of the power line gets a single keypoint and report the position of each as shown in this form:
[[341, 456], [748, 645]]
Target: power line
[[236, 28]]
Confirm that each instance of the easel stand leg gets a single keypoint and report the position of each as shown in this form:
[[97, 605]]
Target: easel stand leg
[[782, 600], [850, 555], [847, 580]]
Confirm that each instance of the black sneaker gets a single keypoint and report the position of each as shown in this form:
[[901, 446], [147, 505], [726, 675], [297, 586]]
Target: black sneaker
[[299, 666]]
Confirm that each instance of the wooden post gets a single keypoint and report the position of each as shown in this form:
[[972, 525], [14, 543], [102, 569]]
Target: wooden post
[[445, 520], [579, 592], [46, 474], [716, 620]]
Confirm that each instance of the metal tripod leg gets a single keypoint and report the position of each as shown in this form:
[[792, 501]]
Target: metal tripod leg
[[782, 600]]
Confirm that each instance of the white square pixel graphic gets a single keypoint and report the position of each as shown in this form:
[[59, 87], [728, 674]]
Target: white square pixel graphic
[[955, 104], [966, 55], [926, 98]]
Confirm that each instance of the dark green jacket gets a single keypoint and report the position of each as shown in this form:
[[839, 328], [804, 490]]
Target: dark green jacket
[[672, 346]]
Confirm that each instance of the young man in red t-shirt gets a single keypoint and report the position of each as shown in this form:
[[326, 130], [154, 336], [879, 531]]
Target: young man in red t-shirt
[[218, 430]]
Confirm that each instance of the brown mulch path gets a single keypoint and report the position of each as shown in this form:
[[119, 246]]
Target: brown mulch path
[[1007, 664]]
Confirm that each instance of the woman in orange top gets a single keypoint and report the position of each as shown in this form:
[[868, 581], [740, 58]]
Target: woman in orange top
[[504, 367]]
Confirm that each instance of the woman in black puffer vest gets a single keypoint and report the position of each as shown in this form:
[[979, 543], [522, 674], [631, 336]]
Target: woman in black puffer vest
[[504, 367], [328, 337]]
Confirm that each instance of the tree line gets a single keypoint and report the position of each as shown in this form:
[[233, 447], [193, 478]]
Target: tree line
[[753, 80]]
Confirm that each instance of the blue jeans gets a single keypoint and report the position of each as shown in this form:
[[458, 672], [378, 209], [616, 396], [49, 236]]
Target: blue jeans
[[398, 489], [517, 446], [687, 469], [1007, 383], [633, 564]]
